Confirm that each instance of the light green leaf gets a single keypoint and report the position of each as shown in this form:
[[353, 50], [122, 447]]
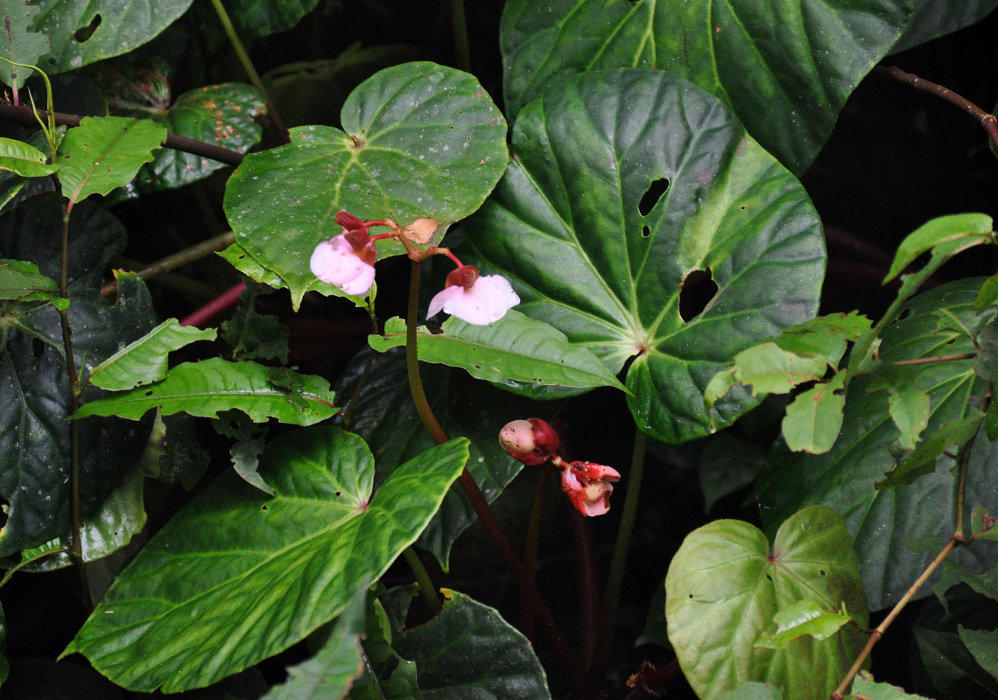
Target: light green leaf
[[908, 404], [724, 587], [805, 617], [21, 280], [516, 352], [865, 687], [768, 369], [23, 158], [827, 336], [814, 419], [419, 140], [754, 691], [657, 191], [105, 152], [18, 43], [144, 360], [207, 387], [280, 567], [946, 235], [988, 294]]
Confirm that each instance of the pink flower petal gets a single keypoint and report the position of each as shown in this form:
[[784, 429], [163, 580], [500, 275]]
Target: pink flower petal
[[588, 486], [335, 261], [487, 301]]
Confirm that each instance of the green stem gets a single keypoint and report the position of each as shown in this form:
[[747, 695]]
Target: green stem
[[459, 26], [244, 59], [426, 588], [183, 257]]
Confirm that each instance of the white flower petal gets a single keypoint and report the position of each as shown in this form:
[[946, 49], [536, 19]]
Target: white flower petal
[[487, 301], [334, 261], [440, 299]]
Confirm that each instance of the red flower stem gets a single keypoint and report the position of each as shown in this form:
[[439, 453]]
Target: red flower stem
[[530, 551], [585, 563], [474, 494], [219, 304]]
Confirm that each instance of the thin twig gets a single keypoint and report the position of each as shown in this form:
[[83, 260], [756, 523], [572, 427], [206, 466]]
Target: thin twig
[[224, 301], [940, 358], [183, 257]]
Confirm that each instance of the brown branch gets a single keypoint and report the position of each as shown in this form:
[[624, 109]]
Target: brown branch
[[987, 120], [183, 257], [940, 358], [25, 115]]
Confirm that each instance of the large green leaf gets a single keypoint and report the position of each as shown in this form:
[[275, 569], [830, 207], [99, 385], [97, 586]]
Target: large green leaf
[[725, 586], [256, 18], [882, 521], [236, 577], [496, 661], [580, 226], [419, 141], [935, 18], [785, 66], [207, 387], [85, 31], [18, 43], [35, 452], [516, 351]]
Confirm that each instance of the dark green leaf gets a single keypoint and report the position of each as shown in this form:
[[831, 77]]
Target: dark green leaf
[[253, 335], [281, 567], [22, 158], [724, 587], [516, 351], [207, 387], [105, 152], [85, 31], [932, 19], [174, 454], [986, 360], [951, 666], [495, 660], [982, 524], [257, 18], [785, 68], [419, 141], [727, 464], [19, 43], [657, 191], [983, 646], [951, 434]]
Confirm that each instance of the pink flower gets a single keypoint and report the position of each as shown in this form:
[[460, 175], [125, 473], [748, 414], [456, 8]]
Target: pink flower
[[588, 486], [476, 300]]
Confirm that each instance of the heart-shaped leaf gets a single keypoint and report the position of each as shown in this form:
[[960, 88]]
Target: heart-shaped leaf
[[419, 141], [725, 586], [785, 67], [632, 192], [280, 567]]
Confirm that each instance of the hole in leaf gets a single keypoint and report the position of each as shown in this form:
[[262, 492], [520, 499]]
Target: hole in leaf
[[264, 507], [37, 348], [645, 232], [768, 577], [822, 572], [695, 292], [84, 33], [656, 190], [149, 392]]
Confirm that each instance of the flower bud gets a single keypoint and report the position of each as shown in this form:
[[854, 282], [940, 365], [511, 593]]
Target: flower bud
[[531, 441]]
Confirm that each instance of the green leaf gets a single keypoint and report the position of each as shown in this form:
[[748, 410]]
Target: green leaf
[[865, 687], [19, 44], [814, 419], [988, 294], [827, 336], [257, 18], [754, 691], [86, 31], [207, 387], [986, 360], [985, 583], [22, 158], [224, 115], [21, 280], [955, 433], [944, 236], [927, 22], [805, 617], [908, 404], [724, 587], [516, 352], [983, 646], [105, 152], [786, 68], [950, 666], [419, 141], [144, 360], [768, 369], [597, 249], [496, 660], [281, 566], [843, 478], [726, 465]]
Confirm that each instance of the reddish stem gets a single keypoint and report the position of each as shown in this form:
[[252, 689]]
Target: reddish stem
[[224, 301]]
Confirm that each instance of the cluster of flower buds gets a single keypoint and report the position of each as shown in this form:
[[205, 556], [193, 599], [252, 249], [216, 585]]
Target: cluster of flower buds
[[587, 485], [347, 261]]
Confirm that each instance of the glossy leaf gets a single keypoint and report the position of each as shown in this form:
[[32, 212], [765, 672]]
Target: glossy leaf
[[921, 461], [496, 660], [516, 352], [805, 617], [883, 520], [419, 141], [865, 687], [86, 31], [19, 42], [34, 434], [931, 20], [105, 152], [281, 566], [144, 360], [589, 254], [23, 158], [724, 588], [814, 418], [785, 68], [204, 388], [948, 234]]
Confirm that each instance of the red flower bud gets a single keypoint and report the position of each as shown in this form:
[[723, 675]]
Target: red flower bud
[[531, 441]]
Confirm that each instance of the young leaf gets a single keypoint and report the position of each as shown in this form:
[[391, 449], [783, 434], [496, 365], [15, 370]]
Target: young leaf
[[610, 246], [944, 236], [814, 419], [144, 360], [23, 158], [724, 587], [516, 351], [805, 617], [864, 687], [826, 335], [105, 152], [989, 292], [21, 280], [953, 434], [281, 566], [908, 404], [207, 387], [768, 369]]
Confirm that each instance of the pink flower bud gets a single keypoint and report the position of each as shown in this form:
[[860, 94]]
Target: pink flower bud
[[588, 486], [531, 441]]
